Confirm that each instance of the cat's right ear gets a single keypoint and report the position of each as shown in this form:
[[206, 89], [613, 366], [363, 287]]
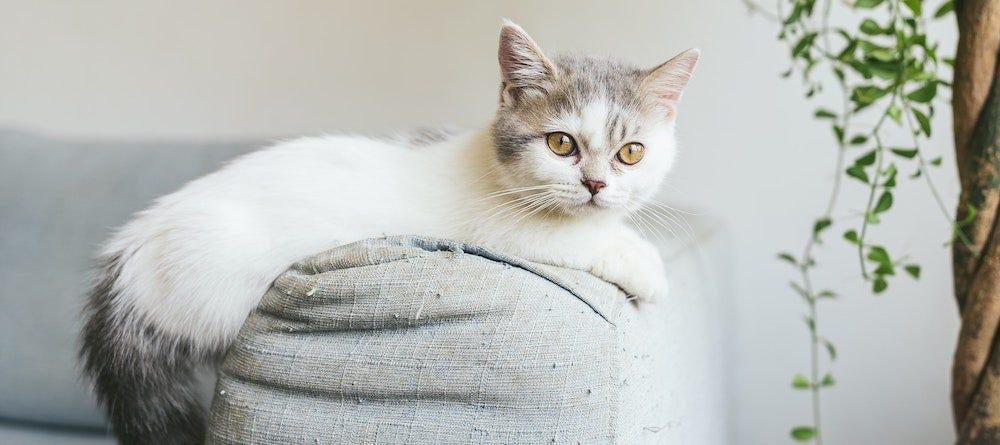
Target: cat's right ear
[[524, 69]]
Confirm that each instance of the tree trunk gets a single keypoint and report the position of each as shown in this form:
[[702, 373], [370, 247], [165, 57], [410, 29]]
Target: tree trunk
[[976, 103]]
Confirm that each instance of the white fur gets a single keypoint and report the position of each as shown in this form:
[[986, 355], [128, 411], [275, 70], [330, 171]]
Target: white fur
[[199, 260]]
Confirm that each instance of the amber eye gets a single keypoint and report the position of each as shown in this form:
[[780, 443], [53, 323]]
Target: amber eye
[[561, 143], [631, 153]]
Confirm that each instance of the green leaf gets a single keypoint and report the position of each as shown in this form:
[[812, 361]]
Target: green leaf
[[787, 257], [851, 236], [914, 6], [885, 269], [890, 174], [827, 380], [838, 131], [923, 76], [867, 4], [936, 161], [800, 382], [866, 159], [810, 323], [861, 68], [884, 70], [895, 113], [881, 54], [923, 94], [970, 215], [868, 26], [907, 153], [866, 95], [827, 294], [945, 8], [859, 139], [830, 349], [913, 270], [884, 202], [858, 172], [795, 14], [823, 113], [879, 255], [803, 44], [803, 433], [820, 225], [879, 285], [923, 120]]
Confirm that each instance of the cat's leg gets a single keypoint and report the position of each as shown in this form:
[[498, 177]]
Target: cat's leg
[[633, 264], [616, 254]]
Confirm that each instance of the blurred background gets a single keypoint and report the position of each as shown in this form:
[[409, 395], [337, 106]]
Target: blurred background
[[751, 152]]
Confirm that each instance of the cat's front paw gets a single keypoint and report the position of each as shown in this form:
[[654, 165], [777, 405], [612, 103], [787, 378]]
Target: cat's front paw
[[636, 268]]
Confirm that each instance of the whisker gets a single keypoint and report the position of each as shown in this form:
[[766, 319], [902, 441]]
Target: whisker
[[514, 190], [532, 208], [679, 220], [642, 221], [645, 226], [515, 206], [658, 220], [665, 206]]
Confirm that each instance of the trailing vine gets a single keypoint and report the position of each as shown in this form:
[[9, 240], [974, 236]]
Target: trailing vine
[[886, 71]]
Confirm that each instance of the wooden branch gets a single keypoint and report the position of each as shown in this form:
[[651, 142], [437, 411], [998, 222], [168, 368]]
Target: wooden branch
[[976, 104], [975, 63]]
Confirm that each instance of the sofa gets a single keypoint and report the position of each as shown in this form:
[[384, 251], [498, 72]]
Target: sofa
[[59, 198]]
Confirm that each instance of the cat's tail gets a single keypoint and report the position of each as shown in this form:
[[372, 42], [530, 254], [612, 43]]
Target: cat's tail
[[143, 377]]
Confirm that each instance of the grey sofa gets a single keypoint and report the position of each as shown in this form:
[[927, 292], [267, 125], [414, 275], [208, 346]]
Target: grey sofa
[[60, 198]]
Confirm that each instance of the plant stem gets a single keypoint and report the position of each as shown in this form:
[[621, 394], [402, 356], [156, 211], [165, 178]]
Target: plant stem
[[868, 209], [873, 187], [930, 182], [807, 257]]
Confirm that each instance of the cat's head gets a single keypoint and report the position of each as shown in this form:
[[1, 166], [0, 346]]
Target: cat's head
[[582, 134]]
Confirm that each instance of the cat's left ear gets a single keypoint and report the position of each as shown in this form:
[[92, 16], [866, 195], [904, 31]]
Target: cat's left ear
[[524, 69], [666, 82]]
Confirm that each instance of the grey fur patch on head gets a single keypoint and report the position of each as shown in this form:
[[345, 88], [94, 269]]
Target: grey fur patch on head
[[580, 81]]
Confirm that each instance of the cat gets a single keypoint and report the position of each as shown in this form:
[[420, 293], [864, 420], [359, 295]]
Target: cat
[[577, 143]]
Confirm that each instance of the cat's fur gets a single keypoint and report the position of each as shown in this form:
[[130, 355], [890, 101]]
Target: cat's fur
[[178, 280]]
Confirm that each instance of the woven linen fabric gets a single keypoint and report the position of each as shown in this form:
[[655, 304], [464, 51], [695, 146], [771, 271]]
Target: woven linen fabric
[[418, 340]]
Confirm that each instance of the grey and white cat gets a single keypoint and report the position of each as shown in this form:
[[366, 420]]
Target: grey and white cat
[[577, 143]]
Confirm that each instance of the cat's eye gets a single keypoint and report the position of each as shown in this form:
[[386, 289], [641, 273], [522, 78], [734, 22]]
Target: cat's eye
[[561, 143], [631, 153]]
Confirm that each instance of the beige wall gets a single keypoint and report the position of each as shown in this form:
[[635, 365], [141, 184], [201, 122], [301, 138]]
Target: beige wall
[[217, 69], [233, 68]]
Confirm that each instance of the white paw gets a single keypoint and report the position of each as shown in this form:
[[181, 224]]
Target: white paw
[[636, 268]]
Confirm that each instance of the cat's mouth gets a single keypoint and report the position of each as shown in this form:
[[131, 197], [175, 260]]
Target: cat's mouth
[[594, 202]]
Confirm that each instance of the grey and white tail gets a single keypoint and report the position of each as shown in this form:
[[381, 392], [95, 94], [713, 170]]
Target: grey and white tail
[[144, 379]]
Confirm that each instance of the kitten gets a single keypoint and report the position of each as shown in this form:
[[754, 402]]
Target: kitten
[[576, 144]]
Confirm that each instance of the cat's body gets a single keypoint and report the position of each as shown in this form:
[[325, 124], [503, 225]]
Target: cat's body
[[200, 258], [179, 279]]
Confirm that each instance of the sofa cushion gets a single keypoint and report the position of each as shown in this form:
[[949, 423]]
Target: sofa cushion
[[416, 340], [59, 200], [420, 340]]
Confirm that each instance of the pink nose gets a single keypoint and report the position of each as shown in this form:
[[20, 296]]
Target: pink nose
[[594, 186]]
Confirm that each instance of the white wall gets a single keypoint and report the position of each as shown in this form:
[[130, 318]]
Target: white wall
[[220, 69]]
